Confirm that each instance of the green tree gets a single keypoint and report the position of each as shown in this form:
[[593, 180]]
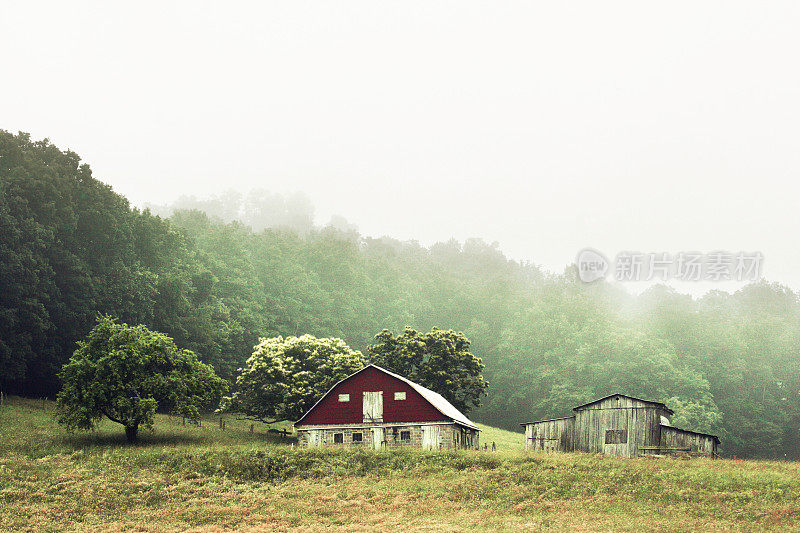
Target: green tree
[[126, 373], [439, 360], [285, 376]]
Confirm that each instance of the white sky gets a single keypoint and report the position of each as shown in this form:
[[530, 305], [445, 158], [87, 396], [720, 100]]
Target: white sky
[[546, 126]]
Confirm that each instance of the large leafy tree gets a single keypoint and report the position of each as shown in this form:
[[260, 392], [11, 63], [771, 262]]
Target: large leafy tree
[[126, 373], [439, 360], [285, 376]]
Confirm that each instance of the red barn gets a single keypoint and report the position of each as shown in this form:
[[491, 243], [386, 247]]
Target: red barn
[[376, 408]]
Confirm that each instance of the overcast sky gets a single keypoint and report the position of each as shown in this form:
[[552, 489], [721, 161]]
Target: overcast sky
[[546, 126]]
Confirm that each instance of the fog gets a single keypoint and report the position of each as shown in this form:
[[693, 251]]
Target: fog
[[547, 127]]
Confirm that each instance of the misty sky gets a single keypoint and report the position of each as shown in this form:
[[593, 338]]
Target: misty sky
[[546, 126]]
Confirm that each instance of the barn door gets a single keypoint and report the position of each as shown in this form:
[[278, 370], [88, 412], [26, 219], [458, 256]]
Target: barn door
[[373, 406], [378, 437], [315, 438], [430, 437]]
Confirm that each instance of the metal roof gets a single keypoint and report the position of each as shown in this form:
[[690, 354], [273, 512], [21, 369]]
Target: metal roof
[[547, 420], [659, 404], [434, 398]]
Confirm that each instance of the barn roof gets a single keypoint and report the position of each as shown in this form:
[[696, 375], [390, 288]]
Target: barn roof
[[658, 404], [434, 398], [547, 420]]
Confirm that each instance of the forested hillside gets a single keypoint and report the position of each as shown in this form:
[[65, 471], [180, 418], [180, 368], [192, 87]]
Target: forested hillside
[[72, 248]]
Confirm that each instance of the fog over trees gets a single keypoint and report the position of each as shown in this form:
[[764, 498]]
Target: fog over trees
[[259, 209], [215, 275]]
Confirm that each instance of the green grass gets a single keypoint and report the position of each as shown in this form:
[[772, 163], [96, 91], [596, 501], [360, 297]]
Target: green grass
[[32, 431], [204, 479], [504, 440]]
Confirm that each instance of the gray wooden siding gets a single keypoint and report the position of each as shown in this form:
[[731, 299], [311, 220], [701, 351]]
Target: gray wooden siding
[[551, 435], [678, 441], [640, 421], [618, 425]]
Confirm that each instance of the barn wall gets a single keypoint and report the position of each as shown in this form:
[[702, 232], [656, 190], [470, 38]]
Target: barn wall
[[413, 409], [640, 422], [620, 426], [679, 441], [461, 437], [551, 435], [447, 436]]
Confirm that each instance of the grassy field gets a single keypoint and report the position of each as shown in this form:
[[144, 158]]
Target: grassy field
[[205, 479]]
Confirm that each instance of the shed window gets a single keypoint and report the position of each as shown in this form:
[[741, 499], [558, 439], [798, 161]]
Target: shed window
[[357, 437], [617, 436], [399, 395], [405, 435], [338, 438], [344, 397]]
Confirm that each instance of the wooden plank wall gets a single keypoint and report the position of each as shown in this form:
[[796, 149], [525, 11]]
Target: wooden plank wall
[[640, 420], [676, 441], [551, 435], [636, 429]]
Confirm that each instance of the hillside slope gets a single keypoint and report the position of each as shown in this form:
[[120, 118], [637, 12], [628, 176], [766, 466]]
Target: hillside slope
[[204, 479], [72, 248]]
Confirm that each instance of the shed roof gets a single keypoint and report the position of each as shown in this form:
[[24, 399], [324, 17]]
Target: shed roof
[[434, 398], [547, 420], [658, 404]]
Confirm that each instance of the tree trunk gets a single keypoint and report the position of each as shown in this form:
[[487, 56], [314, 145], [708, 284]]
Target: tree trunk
[[131, 433]]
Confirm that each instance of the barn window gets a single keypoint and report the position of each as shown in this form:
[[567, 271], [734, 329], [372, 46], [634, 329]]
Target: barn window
[[338, 438], [617, 436], [357, 437], [344, 397], [399, 395], [405, 435]]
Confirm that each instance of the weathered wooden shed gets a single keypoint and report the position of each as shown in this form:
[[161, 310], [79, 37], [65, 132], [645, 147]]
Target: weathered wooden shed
[[376, 408], [618, 425]]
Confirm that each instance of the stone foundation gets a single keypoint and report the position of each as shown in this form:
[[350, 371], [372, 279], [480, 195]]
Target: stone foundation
[[450, 436]]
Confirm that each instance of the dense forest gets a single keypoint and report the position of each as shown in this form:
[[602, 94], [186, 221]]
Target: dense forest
[[217, 275]]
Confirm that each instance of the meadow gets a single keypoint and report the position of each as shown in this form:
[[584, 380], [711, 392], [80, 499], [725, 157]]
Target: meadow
[[205, 479]]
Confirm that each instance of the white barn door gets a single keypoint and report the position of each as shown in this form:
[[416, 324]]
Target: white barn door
[[373, 406], [378, 437], [315, 438], [430, 437]]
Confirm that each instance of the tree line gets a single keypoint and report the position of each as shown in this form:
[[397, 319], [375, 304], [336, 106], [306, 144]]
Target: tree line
[[72, 249]]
